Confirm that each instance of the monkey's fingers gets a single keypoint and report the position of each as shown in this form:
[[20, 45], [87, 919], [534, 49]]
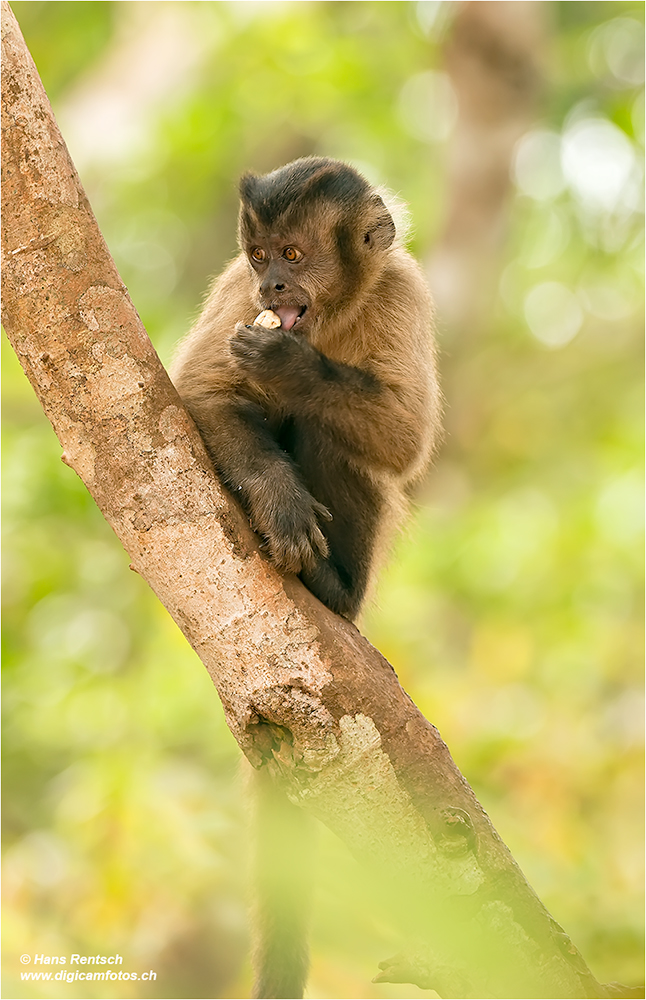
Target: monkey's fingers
[[254, 347], [285, 556], [321, 511], [300, 552], [295, 555], [293, 551], [319, 540]]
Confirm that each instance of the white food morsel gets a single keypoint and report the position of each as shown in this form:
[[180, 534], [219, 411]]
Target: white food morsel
[[268, 319]]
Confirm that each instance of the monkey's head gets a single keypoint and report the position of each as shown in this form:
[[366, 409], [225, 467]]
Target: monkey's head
[[316, 236]]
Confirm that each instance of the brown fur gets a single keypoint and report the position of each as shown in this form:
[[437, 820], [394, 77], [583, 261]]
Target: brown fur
[[339, 415]]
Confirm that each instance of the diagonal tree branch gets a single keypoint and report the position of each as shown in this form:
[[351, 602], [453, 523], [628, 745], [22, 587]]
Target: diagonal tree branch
[[304, 694]]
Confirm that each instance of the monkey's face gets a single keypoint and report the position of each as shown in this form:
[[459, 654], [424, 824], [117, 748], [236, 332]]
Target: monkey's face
[[282, 265], [316, 237], [315, 272]]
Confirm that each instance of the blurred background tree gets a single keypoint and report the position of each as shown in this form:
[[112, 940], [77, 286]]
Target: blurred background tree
[[511, 606]]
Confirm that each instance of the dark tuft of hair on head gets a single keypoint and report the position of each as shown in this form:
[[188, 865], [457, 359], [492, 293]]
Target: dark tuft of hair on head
[[289, 188]]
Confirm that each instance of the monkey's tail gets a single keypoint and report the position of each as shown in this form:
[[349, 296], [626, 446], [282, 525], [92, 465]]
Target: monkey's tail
[[282, 886]]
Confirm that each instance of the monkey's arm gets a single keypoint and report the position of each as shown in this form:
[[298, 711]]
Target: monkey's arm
[[368, 417], [244, 452], [262, 477]]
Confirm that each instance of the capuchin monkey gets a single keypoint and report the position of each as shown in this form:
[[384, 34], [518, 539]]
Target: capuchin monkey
[[317, 422], [319, 425]]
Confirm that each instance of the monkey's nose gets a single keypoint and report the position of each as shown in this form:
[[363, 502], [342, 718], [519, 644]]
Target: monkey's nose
[[270, 285]]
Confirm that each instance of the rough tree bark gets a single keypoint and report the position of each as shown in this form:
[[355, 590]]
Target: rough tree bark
[[304, 694]]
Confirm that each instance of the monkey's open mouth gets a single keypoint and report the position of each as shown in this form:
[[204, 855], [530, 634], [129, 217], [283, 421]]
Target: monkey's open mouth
[[289, 315]]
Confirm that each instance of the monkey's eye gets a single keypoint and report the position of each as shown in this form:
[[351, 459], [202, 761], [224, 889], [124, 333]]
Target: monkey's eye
[[292, 254], [258, 254]]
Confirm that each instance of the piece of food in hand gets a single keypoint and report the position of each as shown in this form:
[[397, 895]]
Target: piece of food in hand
[[268, 319]]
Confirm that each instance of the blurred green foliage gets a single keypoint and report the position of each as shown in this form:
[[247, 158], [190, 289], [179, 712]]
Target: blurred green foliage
[[511, 606]]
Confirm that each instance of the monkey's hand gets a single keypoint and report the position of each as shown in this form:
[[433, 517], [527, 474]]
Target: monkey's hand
[[265, 355], [306, 378], [289, 527]]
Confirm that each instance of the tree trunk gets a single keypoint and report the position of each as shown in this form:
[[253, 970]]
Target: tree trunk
[[493, 58], [304, 694]]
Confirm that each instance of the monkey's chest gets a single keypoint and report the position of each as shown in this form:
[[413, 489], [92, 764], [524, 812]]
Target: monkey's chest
[[322, 461]]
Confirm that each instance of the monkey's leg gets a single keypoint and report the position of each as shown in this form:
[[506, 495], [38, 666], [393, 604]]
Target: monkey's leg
[[263, 479], [282, 884], [339, 579], [326, 583]]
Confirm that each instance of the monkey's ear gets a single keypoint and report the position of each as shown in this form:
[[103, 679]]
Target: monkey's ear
[[380, 230], [248, 187], [248, 223]]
